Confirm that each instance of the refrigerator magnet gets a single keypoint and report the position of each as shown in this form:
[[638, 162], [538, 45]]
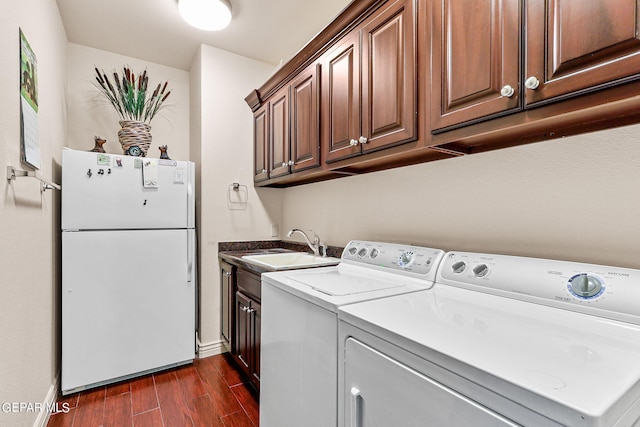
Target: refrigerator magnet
[[104, 159], [150, 174]]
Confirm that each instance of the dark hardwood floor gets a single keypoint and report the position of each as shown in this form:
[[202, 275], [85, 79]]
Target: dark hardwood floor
[[209, 393]]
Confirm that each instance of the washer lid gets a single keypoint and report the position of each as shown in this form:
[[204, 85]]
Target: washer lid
[[332, 287], [335, 283]]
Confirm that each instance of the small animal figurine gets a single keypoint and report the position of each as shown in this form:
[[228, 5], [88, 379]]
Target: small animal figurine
[[163, 152], [99, 143]]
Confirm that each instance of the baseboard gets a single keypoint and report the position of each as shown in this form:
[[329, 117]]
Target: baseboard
[[49, 402], [210, 348]]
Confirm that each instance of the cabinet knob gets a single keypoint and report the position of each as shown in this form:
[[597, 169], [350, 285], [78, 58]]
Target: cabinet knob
[[532, 83], [264, 171], [507, 91], [284, 164], [291, 163], [227, 273], [363, 140], [353, 142]]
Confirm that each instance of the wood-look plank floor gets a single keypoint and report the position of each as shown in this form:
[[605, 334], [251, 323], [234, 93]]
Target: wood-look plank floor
[[209, 393]]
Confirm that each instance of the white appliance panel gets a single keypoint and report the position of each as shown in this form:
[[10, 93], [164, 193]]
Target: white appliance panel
[[298, 348], [128, 303], [105, 191], [382, 392], [547, 282]]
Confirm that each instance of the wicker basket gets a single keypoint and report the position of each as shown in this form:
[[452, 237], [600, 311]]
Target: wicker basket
[[135, 137]]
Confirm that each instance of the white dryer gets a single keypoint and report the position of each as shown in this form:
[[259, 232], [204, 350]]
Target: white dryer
[[299, 326], [497, 341]]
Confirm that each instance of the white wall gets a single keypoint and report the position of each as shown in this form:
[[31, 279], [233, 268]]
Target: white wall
[[224, 127], [29, 221], [576, 198], [90, 114]]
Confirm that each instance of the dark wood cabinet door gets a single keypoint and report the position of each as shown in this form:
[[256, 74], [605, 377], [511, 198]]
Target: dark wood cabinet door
[[475, 55], [227, 304], [341, 99], [305, 130], [261, 143], [256, 318], [279, 134], [389, 81], [243, 329], [580, 45]]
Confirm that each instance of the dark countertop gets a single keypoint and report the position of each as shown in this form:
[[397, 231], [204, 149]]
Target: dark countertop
[[232, 252]]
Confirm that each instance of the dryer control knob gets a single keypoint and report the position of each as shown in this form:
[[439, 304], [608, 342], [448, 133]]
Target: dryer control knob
[[585, 286], [458, 267], [480, 270]]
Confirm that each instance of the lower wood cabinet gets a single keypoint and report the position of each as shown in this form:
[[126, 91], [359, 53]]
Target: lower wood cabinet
[[227, 305], [240, 318], [248, 336]]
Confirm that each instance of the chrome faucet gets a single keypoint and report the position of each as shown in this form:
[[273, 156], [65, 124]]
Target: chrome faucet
[[315, 246]]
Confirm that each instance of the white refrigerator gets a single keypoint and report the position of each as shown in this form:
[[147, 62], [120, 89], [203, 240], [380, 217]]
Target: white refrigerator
[[128, 267]]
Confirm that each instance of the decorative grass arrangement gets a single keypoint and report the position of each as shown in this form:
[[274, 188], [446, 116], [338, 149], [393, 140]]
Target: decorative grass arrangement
[[129, 95]]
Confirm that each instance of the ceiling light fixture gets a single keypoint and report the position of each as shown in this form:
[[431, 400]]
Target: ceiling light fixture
[[208, 15]]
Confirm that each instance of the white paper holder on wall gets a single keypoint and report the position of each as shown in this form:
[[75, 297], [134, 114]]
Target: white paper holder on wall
[[45, 184], [237, 196]]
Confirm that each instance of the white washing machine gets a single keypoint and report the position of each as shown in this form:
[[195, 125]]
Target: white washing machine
[[299, 338], [497, 341]]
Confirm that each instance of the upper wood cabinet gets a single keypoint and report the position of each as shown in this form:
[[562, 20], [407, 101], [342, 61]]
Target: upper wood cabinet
[[286, 128], [475, 56], [341, 99], [305, 124], [261, 143], [279, 132], [389, 79], [369, 98], [575, 46], [569, 47], [479, 74]]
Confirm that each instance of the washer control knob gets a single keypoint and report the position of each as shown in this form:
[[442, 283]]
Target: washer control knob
[[406, 259], [458, 267], [374, 253], [585, 286], [353, 250], [362, 252], [480, 270]]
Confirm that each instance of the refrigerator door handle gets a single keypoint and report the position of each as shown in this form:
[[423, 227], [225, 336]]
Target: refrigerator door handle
[[191, 203], [190, 251]]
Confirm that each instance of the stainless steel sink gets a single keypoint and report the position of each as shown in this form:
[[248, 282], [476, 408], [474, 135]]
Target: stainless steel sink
[[290, 260]]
